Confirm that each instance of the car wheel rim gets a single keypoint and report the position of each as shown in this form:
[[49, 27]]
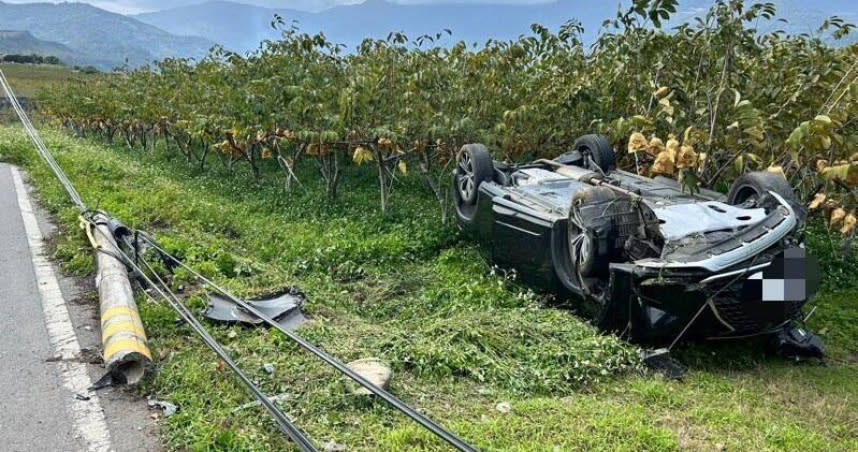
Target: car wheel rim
[[466, 177], [584, 248], [579, 246]]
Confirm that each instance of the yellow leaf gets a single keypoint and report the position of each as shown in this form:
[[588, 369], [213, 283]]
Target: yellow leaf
[[776, 169], [821, 165], [637, 142], [660, 92], [655, 146], [687, 158], [403, 167], [848, 173], [818, 199], [849, 223], [362, 155], [672, 146], [837, 217], [266, 153], [663, 164]]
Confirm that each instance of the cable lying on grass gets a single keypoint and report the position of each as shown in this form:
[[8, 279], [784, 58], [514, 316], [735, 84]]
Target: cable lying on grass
[[163, 291], [319, 353], [137, 262]]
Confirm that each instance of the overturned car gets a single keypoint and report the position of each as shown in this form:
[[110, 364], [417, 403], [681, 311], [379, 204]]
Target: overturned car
[[640, 255]]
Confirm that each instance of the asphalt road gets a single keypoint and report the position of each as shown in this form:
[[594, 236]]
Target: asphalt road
[[44, 375]]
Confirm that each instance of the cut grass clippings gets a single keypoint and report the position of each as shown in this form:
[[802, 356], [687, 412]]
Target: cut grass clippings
[[460, 339]]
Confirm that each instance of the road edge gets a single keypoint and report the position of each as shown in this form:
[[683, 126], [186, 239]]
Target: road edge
[[89, 420]]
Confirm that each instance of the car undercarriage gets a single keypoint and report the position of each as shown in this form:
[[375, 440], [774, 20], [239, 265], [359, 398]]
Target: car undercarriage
[[640, 255]]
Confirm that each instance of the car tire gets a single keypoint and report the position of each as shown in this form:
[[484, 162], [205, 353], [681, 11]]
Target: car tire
[[598, 148], [592, 257], [474, 165], [756, 185]]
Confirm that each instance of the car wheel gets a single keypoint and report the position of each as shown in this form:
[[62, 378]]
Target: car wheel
[[474, 166], [587, 256], [597, 148], [581, 250], [753, 188]]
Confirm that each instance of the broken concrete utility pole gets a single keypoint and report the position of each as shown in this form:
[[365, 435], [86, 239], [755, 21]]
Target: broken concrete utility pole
[[126, 354]]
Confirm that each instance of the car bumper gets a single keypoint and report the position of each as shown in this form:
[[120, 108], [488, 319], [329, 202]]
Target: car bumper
[[754, 297]]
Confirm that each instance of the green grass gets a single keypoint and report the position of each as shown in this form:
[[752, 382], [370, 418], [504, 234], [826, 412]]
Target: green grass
[[459, 338], [28, 79]]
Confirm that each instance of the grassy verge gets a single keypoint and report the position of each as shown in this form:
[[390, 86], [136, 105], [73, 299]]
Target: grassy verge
[[460, 339], [27, 79]]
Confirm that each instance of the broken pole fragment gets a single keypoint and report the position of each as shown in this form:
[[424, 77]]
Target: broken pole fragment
[[126, 354]]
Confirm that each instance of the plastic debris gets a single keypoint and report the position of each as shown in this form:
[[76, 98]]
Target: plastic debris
[[331, 446], [503, 407], [167, 408], [284, 308], [374, 370]]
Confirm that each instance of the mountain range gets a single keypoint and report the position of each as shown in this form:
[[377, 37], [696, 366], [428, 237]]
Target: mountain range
[[98, 37], [89, 35], [24, 43]]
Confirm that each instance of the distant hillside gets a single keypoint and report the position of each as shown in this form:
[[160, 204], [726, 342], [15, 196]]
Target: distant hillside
[[24, 43], [235, 25], [101, 38], [241, 27]]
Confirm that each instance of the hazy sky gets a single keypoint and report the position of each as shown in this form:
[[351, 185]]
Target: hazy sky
[[139, 6]]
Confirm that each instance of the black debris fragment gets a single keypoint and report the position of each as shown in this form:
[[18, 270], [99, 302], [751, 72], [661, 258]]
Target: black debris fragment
[[797, 344], [284, 308], [661, 362]]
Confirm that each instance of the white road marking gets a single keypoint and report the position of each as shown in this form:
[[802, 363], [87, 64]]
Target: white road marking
[[88, 416]]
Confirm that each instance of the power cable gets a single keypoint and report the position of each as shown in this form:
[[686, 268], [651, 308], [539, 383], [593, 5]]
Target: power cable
[[36, 139], [321, 354], [285, 424]]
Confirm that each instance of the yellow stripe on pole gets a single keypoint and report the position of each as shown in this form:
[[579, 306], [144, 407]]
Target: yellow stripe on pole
[[116, 311], [127, 345], [122, 327], [121, 318]]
